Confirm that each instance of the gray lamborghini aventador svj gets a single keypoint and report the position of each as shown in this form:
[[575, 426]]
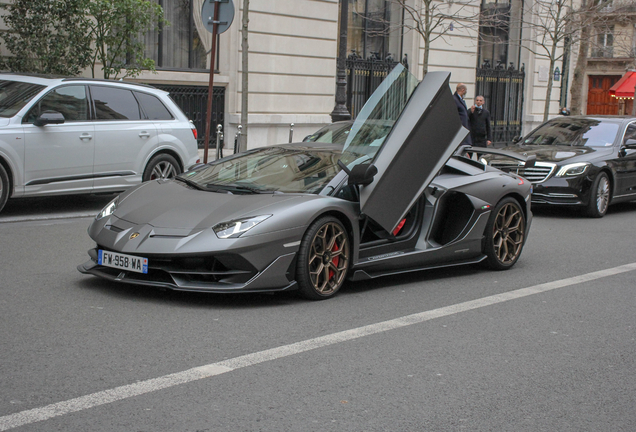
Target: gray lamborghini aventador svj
[[309, 216]]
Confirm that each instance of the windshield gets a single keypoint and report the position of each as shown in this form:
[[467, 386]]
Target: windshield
[[335, 133], [371, 132], [574, 132], [14, 95], [293, 169], [267, 170]]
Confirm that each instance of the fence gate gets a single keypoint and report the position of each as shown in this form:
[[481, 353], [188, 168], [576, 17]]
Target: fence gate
[[193, 100], [363, 77], [503, 91]]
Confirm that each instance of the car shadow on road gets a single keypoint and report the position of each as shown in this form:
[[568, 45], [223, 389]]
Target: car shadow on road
[[578, 213], [190, 299], [396, 281], [55, 204], [156, 295]]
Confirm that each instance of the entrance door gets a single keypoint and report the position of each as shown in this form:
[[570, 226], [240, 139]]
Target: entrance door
[[599, 101]]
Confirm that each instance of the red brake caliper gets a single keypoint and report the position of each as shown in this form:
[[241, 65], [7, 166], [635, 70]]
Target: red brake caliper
[[335, 260]]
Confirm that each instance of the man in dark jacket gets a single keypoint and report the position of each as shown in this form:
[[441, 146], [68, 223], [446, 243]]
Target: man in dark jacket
[[480, 129], [462, 109]]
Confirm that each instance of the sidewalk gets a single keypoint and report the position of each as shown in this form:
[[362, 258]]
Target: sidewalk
[[212, 153]]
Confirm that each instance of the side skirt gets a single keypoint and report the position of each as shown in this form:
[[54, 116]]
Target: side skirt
[[359, 275]]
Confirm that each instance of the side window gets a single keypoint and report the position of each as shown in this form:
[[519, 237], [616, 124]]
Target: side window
[[70, 101], [113, 103], [153, 107], [630, 133]]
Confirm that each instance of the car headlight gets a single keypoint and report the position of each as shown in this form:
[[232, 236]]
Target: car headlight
[[109, 209], [573, 170], [235, 228]]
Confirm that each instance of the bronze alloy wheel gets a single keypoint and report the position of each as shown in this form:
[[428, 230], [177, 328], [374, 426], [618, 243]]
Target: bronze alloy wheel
[[506, 234], [323, 259]]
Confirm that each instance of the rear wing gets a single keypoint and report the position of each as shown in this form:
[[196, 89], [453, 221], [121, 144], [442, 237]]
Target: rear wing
[[529, 161]]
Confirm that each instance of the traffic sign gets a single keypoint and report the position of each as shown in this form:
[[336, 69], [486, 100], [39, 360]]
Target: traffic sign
[[224, 18]]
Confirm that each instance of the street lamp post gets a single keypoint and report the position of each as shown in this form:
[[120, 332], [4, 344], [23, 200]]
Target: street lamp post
[[340, 111]]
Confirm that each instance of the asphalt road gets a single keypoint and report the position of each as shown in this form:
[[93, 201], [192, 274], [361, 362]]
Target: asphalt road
[[547, 346]]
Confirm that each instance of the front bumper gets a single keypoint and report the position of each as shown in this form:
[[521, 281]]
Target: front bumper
[[207, 274], [561, 191]]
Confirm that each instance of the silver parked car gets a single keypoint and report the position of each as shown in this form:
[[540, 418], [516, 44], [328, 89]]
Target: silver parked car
[[81, 135]]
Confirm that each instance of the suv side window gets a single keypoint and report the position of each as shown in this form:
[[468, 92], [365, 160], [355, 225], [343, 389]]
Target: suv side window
[[70, 101], [630, 133], [153, 107], [112, 103]]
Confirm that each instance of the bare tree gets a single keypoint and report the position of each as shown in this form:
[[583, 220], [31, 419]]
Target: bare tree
[[586, 16], [551, 23], [432, 20]]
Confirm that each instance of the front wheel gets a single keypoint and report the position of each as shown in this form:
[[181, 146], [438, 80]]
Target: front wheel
[[599, 197], [161, 166], [505, 234], [323, 259]]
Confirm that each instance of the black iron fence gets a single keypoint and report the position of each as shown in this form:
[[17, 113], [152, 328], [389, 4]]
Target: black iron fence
[[193, 100], [363, 77], [503, 91]]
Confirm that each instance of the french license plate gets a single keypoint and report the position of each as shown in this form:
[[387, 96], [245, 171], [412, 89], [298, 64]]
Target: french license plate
[[122, 261]]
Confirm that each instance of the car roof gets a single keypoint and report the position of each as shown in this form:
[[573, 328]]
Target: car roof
[[605, 118], [52, 80]]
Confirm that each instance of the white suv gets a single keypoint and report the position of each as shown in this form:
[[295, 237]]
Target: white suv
[[81, 135]]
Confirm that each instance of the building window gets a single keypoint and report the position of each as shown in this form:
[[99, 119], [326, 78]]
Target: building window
[[183, 44], [375, 29], [604, 43], [499, 25]]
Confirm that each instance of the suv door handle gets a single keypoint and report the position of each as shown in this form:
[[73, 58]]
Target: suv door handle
[[144, 134], [86, 136]]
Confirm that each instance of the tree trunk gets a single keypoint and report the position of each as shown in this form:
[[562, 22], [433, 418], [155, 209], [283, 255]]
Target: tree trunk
[[425, 59], [244, 75], [576, 87], [548, 95]]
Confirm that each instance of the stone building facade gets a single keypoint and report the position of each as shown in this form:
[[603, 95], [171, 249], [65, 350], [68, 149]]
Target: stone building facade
[[293, 50]]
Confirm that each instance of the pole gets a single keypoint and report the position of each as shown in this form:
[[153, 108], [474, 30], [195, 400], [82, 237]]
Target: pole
[[244, 76], [208, 120], [340, 111], [219, 137]]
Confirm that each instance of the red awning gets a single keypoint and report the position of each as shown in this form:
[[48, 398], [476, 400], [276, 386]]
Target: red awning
[[624, 88]]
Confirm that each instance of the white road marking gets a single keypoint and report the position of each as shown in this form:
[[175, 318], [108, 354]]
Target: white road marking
[[198, 373]]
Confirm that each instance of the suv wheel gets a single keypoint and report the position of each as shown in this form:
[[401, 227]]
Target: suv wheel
[[161, 166], [4, 187]]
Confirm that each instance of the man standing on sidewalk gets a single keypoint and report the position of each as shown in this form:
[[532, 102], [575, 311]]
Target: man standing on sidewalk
[[480, 129], [462, 110]]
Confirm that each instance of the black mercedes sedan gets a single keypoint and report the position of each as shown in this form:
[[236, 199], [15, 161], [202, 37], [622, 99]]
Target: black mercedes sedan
[[581, 161]]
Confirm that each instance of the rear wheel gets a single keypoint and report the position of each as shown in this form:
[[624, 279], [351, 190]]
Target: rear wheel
[[4, 187], [505, 234], [599, 197], [323, 259], [161, 166]]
